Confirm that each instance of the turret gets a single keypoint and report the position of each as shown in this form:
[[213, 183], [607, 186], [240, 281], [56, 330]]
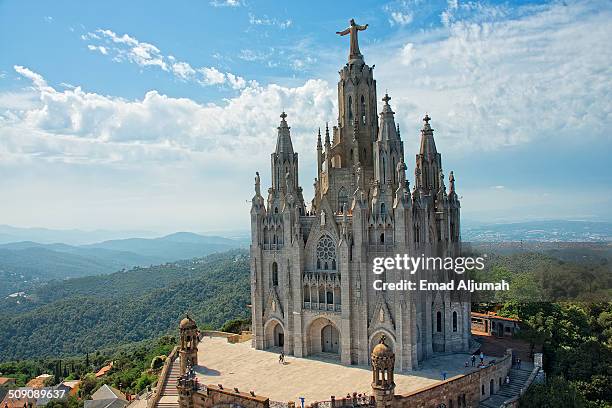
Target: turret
[[383, 363], [188, 348]]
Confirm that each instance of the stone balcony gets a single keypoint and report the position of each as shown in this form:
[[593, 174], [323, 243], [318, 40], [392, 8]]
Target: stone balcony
[[322, 307]]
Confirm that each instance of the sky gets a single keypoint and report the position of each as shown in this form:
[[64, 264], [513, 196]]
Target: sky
[[156, 115]]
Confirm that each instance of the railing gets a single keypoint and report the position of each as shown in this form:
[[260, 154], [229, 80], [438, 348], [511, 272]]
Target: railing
[[163, 376], [512, 402], [322, 276], [355, 400], [323, 306]]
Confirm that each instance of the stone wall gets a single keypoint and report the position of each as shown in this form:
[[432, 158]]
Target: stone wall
[[459, 391], [215, 396]]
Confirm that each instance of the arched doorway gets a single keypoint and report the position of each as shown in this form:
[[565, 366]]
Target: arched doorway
[[491, 387], [274, 334], [279, 336], [330, 339], [323, 336]]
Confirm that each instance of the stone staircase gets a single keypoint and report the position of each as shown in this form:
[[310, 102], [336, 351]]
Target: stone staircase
[[169, 393], [518, 378]]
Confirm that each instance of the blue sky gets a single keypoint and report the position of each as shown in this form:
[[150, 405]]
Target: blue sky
[[155, 115]]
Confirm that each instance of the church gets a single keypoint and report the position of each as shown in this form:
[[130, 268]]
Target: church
[[311, 264]]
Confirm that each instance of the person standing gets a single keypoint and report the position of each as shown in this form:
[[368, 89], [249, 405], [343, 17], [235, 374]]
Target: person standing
[[481, 357], [473, 360]]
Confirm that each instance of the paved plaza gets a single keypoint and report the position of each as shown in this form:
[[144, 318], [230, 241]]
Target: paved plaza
[[316, 379]]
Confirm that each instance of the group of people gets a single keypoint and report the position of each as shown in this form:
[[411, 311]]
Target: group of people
[[482, 357]]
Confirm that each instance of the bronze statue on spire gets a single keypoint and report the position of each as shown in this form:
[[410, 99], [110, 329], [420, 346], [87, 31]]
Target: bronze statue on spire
[[352, 30]]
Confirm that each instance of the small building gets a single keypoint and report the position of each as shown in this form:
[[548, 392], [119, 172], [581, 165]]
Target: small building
[[492, 324], [104, 370], [40, 381], [73, 385], [106, 397], [7, 381]]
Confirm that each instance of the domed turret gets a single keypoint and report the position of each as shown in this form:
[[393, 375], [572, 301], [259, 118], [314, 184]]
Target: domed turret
[[187, 323], [383, 364], [382, 351], [188, 349]]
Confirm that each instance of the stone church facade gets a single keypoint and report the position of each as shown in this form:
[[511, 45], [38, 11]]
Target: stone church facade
[[311, 265]]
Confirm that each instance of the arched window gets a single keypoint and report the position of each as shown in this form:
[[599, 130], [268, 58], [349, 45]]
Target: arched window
[[350, 110], [382, 238], [439, 321], [326, 253], [454, 321], [274, 274], [342, 199], [306, 293], [363, 110], [275, 210], [330, 297], [383, 209]]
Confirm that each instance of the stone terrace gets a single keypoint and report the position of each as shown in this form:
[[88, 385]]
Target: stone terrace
[[316, 379]]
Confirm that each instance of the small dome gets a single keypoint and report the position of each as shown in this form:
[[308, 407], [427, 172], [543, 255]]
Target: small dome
[[187, 323], [381, 350]]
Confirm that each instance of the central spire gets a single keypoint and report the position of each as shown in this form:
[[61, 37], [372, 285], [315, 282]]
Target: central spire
[[353, 29]]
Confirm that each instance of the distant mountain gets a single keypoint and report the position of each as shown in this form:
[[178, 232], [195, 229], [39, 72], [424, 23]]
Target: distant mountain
[[180, 245], [70, 236], [545, 231], [26, 264]]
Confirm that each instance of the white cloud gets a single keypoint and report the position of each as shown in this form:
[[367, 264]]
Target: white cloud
[[400, 18], [267, 21], [126, 48], [490, 82], [212, 76], [75, 126], [226, 3]]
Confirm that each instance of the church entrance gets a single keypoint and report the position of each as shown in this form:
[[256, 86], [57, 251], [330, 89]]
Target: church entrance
[[274, 334], [330, 339], [279, 336]]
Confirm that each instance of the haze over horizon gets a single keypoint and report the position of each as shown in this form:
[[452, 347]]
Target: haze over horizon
[[159, 120]]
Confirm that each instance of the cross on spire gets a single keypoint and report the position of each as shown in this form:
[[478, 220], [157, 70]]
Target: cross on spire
[[426, 119], [386, 99], [283, 115]]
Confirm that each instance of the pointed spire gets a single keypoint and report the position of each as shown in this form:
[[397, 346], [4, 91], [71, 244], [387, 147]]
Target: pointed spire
[[398, 130], [428, 145], [319, 145], [283, 142], [327, 141], [386, 128]]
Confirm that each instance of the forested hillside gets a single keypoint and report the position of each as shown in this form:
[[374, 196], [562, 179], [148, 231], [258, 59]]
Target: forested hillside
[[85, 314]]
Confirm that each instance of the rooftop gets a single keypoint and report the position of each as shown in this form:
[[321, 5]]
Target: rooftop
[[314, 378]]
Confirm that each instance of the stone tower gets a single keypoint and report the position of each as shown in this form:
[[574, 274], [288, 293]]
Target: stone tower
[[311, 267], [383, 386], [188, 351]]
